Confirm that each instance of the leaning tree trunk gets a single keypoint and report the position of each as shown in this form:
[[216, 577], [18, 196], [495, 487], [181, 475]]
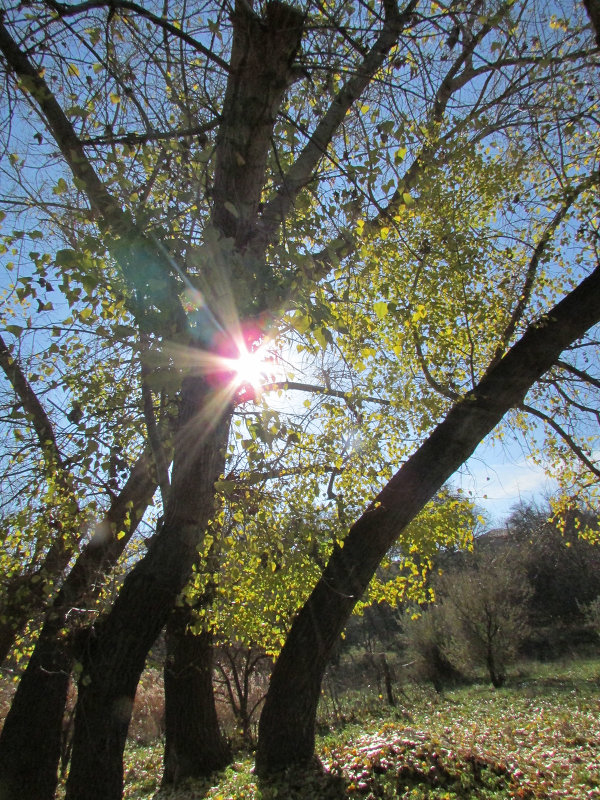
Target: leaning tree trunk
[[118, 648], [33, 728], [194, 745], [287, 724]]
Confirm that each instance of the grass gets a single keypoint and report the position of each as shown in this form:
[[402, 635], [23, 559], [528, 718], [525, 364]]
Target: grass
[[539, 737]]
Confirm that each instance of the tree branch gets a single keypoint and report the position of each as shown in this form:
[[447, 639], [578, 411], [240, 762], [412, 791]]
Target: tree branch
[[579, 373], [98, 556], [567, 438], [154, 136], [143, 265], [348, 240], [525, 294], [309, 387], [64, 10], [435, 385], [42, 425], [593, 10], [302, 171]]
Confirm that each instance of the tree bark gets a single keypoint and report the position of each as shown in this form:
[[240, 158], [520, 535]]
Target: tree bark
[[30, 745], [287, 724], [32, 731], [194, 745], [117, 649]]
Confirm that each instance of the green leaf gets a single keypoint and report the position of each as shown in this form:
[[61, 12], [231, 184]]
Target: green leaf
[[61, 187], [16, 330], [381, 309], [301, 322]]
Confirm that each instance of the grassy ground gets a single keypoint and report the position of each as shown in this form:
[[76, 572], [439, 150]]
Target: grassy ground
[[537, 738]]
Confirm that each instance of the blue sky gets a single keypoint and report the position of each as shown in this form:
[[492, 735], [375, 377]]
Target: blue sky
[[499, 476]]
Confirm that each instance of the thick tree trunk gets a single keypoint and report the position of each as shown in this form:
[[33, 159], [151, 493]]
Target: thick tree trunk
[[194, 746], [30, 742], [117, 650], [287, 724], [30, 745]]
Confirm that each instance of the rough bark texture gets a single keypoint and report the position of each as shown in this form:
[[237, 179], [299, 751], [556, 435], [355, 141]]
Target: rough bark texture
[[117, 650], [194, 746], [32, 730], [260, 68], [287, 724]]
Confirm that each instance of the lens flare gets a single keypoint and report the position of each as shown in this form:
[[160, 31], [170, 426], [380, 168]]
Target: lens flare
[[251, 368]]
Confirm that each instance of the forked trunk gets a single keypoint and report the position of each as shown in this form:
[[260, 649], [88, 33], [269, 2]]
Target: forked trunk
[[117, 651], [33, 729], [194, 746]]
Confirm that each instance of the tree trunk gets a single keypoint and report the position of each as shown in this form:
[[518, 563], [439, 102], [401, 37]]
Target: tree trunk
[[387, 678], [287, 723], [194, 746], [117, 652], [497, 676], [30, 744], [33, 728]]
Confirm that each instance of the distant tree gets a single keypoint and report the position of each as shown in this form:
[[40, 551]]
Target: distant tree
[[242, 679], [485, 612], [562, 566]]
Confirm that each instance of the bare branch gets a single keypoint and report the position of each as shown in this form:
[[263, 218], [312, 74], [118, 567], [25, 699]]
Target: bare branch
[[567, 438], [579, 373], [154, 136], [64, 10]]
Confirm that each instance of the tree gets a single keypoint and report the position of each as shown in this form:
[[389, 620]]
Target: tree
[[426, 634], [561, 565], [304, 170], [486, 612]]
